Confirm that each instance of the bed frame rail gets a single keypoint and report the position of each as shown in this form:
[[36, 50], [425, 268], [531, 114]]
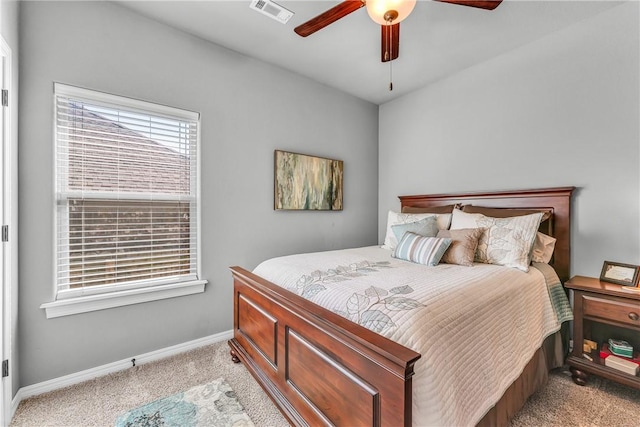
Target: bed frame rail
[[319, 368]]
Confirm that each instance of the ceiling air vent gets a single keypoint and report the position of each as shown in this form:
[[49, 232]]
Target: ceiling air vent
[[272, 10]]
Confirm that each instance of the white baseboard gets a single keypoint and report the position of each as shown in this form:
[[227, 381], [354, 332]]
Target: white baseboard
[[98, 371]]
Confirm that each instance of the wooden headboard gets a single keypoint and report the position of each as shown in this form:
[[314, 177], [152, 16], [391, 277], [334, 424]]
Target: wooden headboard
[[557, 201]]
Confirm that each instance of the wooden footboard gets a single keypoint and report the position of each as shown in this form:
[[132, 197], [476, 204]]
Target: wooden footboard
[[319, 368]]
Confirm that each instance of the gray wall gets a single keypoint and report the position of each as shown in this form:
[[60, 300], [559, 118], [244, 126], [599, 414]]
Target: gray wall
[[105, 47], [9, 14], [561, 111]]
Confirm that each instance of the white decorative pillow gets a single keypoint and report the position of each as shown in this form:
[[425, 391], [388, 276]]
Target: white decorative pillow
[[420, 249], [425, 227], [505, 241], [543, 248], [393, 218]]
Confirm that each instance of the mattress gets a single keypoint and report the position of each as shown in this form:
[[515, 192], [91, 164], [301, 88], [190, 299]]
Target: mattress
[[476, 327]]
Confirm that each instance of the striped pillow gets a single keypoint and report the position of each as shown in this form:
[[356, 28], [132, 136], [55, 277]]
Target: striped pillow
[[420, 249]]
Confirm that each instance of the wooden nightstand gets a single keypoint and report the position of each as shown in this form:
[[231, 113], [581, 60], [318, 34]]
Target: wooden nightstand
[[601, 311]]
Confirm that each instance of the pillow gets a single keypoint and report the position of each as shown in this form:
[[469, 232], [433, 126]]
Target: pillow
[[464, 243], [443, 213], [432, 209], [543, 248], [420, 249], [505, 212], [393, 218], [425, 227], [444, 221], [506, 241]]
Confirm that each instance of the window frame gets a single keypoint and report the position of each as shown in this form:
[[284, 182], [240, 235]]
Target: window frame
[[107, 296]]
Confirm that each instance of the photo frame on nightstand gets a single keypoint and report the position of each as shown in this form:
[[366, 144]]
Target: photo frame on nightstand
[[621, 274]]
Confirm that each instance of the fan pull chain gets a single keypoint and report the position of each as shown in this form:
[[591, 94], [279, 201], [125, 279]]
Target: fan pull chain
[[390, 35], [390, 76]]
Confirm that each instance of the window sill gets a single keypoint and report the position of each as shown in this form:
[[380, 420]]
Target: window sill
[[89, 303]]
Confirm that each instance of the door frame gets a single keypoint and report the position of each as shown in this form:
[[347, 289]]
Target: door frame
[[7, 252]]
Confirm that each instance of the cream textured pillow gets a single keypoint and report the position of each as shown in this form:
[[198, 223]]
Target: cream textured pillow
[[444, 221], [543, 248], [505, 241], [464, 243]]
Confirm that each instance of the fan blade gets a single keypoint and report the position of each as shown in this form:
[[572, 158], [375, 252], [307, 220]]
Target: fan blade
[[390, 42], [330, 16], [480, 4]]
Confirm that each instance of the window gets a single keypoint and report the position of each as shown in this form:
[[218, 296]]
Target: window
[[126, 196]]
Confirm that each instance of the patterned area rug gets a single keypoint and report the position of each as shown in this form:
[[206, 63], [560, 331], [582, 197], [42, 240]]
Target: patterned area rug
[[214, 404]]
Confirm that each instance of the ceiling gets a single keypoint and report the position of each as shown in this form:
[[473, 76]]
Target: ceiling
[[436, 40]]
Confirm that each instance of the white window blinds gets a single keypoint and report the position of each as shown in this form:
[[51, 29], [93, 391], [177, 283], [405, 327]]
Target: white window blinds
[[126, 193]]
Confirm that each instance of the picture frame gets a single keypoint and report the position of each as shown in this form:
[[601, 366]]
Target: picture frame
[[620, 274], [305, 182]]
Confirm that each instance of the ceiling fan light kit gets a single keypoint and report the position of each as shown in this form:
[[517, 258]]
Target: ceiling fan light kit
[[385, 12]]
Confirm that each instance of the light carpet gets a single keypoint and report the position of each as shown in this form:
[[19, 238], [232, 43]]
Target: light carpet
[[212, 404], [100, 401]]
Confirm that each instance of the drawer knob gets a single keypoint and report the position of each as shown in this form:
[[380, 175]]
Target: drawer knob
[[634, 316]]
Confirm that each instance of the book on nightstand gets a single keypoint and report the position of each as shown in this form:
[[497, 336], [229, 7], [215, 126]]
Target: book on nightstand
[[605, 352], [622, 364]]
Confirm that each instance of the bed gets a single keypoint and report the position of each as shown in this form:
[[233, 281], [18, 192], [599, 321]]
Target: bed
[[321, 368]]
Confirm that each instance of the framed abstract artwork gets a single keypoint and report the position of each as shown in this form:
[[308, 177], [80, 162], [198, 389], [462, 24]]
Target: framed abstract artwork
[[304, 182]]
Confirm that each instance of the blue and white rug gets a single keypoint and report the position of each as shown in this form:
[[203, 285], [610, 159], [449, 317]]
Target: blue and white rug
[[213, 404]]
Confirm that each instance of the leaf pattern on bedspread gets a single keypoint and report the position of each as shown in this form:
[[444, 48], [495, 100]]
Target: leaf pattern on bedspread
[[360, 307], [365, 308], [376, 320], [309, 285]]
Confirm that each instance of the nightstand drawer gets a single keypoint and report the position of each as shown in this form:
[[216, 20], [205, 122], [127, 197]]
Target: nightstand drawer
[[626, 312]]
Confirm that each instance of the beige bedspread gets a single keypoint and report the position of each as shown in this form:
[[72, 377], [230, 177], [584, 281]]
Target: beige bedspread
[[476, 327]]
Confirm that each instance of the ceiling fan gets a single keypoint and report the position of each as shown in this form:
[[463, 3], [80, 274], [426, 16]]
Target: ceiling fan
[[387, 13]]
